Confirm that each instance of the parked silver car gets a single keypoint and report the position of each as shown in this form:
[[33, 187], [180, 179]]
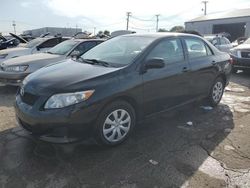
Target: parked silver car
[[37, 45], [13, 71], [220, 42]]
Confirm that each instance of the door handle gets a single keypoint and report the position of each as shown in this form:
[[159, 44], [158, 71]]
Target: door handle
[[185, 69], [213, 63]]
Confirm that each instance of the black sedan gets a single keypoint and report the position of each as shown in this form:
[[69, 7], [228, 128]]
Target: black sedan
[[118, 83]]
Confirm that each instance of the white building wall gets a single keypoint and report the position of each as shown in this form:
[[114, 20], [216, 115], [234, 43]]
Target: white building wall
[[206, 27], [67, 32]]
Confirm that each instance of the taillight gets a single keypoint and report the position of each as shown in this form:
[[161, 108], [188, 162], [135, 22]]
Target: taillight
[[231, 61]]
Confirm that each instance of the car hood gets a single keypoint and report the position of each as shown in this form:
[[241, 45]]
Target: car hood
[[21, 39], [242, 47], [11, 50], [67, 76], [41, 58]]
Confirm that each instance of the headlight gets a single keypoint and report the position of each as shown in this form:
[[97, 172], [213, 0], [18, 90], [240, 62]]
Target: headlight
[[67, 99], [2, 56], [235, 53], [16, 68]]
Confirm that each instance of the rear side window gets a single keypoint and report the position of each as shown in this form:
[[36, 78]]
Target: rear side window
[[197, 48], [50, 43], [169, 50]]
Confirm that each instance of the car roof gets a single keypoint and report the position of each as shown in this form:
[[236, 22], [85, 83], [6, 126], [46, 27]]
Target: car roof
[[160, 35], [83, 40]]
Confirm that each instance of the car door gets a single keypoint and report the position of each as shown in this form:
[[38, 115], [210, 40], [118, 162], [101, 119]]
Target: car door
[[203, 66], [83, 47], [166, 87]]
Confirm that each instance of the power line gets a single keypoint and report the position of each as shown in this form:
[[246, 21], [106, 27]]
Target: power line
[[143, 20]]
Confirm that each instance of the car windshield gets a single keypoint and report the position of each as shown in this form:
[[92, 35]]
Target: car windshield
[[34, 42], [63, 47], [119, 51], [247, 41]]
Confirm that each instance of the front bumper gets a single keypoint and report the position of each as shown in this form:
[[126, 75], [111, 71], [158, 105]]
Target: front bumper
[[241, 63], [69, 123], [10, 78]]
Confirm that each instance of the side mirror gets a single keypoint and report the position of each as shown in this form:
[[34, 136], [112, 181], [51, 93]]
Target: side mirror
[[38, 48], [155, 63], [75, 53]]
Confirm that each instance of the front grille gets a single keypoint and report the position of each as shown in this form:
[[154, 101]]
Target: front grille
[[29, 98], [245, 54]]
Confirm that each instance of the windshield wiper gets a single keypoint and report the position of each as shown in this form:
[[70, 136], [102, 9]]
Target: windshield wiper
[[94, 62], [49, 52]]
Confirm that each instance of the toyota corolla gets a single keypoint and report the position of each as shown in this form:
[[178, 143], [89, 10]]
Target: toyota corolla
[[118, 83]]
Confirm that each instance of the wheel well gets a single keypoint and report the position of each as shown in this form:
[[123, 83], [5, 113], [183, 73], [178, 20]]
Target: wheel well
[[131, 101], [223, 78]]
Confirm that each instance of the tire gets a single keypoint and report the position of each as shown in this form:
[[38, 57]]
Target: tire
[[111, 131], [216, 92]]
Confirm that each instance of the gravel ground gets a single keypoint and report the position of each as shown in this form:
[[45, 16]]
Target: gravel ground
[[165, 151]]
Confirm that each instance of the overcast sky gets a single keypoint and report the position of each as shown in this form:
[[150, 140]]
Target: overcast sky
[[108, 14]]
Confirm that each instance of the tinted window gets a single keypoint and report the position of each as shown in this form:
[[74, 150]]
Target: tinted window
[[196, 48], [169, 50], [85, 46], [50, 43]]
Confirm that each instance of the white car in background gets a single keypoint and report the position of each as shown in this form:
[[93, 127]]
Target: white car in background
[[37, 45], [13, 71], [220, 42]]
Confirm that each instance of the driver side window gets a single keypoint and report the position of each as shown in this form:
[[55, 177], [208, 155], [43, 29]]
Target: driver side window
[[169, 50], [84, 47]]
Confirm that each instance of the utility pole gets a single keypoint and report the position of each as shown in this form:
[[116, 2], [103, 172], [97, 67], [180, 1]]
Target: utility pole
[[14, 26], [205, 7], [94, 30], [157, 21], [128, 15], [76, 27]]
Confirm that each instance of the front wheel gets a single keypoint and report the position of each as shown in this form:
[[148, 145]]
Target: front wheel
[[115, 123], [216, 92]]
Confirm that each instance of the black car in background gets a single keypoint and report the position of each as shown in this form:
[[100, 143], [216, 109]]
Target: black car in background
[[118, 83], [11, 42]]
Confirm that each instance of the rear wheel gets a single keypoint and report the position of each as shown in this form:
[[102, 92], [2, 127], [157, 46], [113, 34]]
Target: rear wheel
[[216, 92], [115, 123]]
